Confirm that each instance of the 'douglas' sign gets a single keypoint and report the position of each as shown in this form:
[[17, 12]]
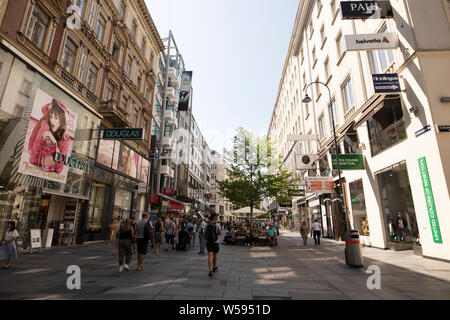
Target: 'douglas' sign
[[124, 134]]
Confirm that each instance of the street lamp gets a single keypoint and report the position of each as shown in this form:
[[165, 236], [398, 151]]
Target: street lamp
[[307, 99]]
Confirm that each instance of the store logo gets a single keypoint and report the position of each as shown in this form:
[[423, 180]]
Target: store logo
[[74, 281], [374, 281], [364, 41], [72, 162], [125, 134], [73, 21]]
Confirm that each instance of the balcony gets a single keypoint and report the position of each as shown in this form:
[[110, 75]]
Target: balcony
[[174, 100], [167, 142], [175, 82], [112, 112], [170, 117], [171, 93], [172, 73]]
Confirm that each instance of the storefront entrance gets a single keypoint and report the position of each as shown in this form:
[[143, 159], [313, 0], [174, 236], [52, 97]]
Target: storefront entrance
[[397, 205]]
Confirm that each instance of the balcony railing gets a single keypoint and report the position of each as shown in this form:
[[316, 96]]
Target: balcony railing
[[110, 110]]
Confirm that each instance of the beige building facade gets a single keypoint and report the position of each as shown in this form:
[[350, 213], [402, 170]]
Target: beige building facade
[[400, 199]]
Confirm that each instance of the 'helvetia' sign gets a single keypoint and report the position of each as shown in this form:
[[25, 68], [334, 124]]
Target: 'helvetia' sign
[[366, 10], [124, 134]]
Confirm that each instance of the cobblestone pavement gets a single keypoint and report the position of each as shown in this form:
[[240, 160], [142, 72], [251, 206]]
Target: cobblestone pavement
[[291, 271]]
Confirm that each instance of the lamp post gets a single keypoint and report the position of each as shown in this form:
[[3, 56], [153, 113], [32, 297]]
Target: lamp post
[[307, 100]]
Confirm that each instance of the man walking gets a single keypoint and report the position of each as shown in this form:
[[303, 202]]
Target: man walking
[[213, 231], [316, 230], [144, 231], [170, 234], [201, 236]]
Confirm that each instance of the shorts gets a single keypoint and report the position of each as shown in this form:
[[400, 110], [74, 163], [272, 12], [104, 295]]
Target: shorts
[[212, 247], [158, 238], [170, 238], [142, 246]]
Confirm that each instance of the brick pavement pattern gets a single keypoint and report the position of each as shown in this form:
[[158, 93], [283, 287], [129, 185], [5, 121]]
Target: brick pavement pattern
[[291, 271]]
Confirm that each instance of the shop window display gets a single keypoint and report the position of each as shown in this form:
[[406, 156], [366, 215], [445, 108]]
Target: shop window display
[[360, 220], [398, 209], [96, 208]]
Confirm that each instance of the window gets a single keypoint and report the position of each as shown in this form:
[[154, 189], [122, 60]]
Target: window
[[340, 45], [323, 37], [101, 26], [351, 143], [311, 29], [326, 68], [143, 45], [133, 30], [322, 129], [347, 93], [109, 91], [333, 112], [80, 4], [386, 127], [82, 66], [360, 221], [134, 117], [69, 55], [139, 80], [314, 57], [122, 8], [92, 17], [381, 60], [116, 51], [92, 77], [37, 27], [124, 103], [128, 67]]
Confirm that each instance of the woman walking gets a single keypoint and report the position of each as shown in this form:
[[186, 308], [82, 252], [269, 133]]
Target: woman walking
[[126, 238], [159, 229], [304, 232], [8, 249]]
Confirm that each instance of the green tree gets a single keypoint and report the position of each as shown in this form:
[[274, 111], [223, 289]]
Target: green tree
[[255, 173]]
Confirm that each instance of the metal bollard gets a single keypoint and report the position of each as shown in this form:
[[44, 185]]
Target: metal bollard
[[353, 257]]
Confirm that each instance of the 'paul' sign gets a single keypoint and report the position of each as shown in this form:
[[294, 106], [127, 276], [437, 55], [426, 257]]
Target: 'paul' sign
[[124, 134], [366, 10]]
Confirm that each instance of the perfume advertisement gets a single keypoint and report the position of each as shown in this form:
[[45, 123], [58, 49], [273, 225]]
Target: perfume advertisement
[[51, 131]]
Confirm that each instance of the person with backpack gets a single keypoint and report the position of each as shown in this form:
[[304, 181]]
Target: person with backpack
[[213, 231], [201, 236], [144, 232], [125, 239], [170, 233]]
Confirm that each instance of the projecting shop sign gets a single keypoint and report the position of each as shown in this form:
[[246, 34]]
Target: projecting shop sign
[[366, 10], [386, 83], [319, 184], [372, 41]]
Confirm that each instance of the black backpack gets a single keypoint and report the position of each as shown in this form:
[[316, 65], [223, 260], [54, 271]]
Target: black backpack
[[211, 233], [147, 231]]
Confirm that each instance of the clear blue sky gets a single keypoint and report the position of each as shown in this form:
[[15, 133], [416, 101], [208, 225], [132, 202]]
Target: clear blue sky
[[236, 50]]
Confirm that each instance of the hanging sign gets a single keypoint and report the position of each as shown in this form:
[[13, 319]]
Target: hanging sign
[[429, 199], [319, 184], [124, 134], [366, 10], [372, 41], [386, 83], [423, 130], [349, 162], [444, 129]]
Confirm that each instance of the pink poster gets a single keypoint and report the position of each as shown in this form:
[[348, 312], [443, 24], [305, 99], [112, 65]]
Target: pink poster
[[49, 140], [105, 152]]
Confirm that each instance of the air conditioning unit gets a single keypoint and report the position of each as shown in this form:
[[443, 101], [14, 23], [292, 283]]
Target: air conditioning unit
[[305, 161]]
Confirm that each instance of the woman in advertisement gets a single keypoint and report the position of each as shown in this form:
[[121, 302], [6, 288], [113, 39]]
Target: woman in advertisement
[[124, 160], [48, 137]]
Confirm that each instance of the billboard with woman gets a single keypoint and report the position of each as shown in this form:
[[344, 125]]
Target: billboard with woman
[[51, 130]]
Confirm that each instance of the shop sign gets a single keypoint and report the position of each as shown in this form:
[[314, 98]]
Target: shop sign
[[185, 92], [429, 199], [35, 237], [373, 41], [319, 184], [423, 130], [349, 162], [386, 83], [72, 162], [168, 191], [366, 10], [444, 129], [124, 134]]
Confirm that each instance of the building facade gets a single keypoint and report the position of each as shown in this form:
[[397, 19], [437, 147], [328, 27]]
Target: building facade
[[69, 69], [219, 204], [399, 197]]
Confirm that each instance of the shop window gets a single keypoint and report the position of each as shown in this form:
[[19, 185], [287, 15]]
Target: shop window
[[37, 27], [397, 205], [386, 127], [69, 55], [360, 221], [96, 208]]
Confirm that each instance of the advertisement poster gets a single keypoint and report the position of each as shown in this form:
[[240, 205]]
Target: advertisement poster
[[145, 167], [126, 159], [51, 130], [105, 152]]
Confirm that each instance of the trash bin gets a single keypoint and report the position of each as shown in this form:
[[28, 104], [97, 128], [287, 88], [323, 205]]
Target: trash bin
[[353, 257]]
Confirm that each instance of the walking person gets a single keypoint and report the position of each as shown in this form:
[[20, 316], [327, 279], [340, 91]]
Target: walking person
[[316, 229], [125, 239], [213, 231], [304, 232], [201, 235], [159, 229], [144, 232], [8, 249], [113, 229], [170, 233]]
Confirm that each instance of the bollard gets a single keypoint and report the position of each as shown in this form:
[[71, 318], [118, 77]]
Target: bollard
[[353, 257]]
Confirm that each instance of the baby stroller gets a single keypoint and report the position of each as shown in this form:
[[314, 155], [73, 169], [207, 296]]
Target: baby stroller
[[183, 240]]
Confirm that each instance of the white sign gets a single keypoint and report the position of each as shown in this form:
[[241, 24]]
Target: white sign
[[373, 41], [36, 241], [48, 237], [303, 137]]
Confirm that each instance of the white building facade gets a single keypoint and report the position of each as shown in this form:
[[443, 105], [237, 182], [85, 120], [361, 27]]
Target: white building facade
[[400, 199]]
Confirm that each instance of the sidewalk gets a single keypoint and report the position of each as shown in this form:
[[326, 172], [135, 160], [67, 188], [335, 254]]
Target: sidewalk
[[291, 271]]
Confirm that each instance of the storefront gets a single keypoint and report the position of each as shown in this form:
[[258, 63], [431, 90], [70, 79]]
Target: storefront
[[46, 156]]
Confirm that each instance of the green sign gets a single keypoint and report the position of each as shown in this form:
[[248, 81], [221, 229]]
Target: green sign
[[123, 134], [349, 161], [429, 199]]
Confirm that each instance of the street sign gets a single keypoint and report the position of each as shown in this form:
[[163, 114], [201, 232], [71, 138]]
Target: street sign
[[372, 41], [386, 83], [303, 137], [366, 10], [423, 130], [444, 129], [123, 133], [349, 162], [319, 184]]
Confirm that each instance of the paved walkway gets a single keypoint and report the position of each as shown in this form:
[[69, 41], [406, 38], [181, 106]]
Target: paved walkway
[[291, 271]]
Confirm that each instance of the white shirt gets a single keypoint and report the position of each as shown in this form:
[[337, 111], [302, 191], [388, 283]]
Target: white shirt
[[202, 227], [10, 235], [316, 226]]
